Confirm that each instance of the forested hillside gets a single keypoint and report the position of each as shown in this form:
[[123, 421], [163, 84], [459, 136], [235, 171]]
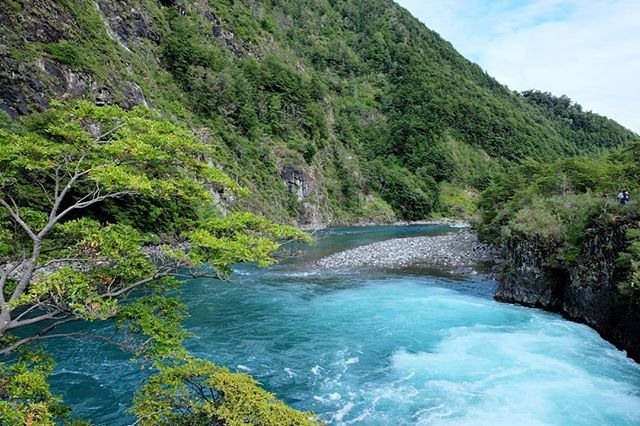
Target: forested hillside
[[328, 111], [584, 128]]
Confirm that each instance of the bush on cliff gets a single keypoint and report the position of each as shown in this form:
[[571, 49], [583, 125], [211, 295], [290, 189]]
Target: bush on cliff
[[560, 201], [629, 261]]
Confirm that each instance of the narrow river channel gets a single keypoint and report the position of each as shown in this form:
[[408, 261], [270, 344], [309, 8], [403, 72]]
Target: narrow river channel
[[379, 348]]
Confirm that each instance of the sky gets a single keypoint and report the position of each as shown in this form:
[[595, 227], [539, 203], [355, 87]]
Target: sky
[[586, 49]]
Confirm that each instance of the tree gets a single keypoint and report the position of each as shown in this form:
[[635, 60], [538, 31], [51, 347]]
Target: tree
[[63, 260], [193, 391]]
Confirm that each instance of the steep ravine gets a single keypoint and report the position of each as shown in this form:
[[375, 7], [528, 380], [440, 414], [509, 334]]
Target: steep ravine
[[585, 291]]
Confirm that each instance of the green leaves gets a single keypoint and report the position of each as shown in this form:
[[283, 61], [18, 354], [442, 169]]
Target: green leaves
[[67, 288], [59, 178], [197, 392], [575, 189], [412, 198], [135, 151], [239, 237], [567, 203], [629, 262], [156, 321], [78, 155], [25, 395]]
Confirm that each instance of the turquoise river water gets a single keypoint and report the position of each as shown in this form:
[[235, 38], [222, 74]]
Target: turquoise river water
[[402, 348]]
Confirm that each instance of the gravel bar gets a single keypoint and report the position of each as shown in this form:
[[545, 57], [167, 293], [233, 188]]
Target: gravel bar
[[459, 252]]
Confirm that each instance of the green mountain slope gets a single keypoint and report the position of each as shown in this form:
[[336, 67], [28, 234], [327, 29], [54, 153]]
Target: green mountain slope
[[584, 128], [330, 111]]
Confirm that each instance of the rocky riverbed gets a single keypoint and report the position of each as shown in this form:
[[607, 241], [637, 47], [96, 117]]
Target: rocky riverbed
[[459, 253]]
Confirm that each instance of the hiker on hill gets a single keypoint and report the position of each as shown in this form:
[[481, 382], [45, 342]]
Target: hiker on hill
[[621, 197], [627, 197]]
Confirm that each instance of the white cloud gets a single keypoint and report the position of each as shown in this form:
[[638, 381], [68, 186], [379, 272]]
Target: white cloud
[[588, 50]]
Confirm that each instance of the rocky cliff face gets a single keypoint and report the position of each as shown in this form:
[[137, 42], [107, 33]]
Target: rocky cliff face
[[29, 81], [585, 291], [112, 53], [306, 193]]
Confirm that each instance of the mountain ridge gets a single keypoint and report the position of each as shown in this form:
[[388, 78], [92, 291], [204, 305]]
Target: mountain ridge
[[329, 112]]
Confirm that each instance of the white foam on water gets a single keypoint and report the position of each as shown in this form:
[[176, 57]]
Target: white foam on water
[[524, 378], [316, 370], [352, 360], [360, 418], [304, 274], [342, 412], [378, 350], [487, 364]]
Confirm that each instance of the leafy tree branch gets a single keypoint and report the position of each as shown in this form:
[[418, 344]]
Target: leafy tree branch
[[63, 258]]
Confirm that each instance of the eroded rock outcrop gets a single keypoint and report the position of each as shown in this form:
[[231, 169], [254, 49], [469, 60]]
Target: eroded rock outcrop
[[29, 82], [584, 290], [305, 189]]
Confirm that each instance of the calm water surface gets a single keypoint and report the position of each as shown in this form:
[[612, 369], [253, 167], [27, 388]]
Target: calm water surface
[[379, 349]]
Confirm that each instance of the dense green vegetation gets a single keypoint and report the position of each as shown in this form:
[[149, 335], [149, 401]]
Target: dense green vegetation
[[378, 111], [558, 203], [584, 128], [76, 184], [376, 117], [212, 395]]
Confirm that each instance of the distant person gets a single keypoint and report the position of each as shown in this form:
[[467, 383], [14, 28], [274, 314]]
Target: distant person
[[621, 197], [627, 197]]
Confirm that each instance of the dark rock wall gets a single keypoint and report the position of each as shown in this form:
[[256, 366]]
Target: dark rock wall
[[529, 278], [584, 291], [29, 83], [304, 185]]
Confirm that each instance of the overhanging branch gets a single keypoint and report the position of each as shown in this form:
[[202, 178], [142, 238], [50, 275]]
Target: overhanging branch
[[42, 334], [17, 323], [15, 215]]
